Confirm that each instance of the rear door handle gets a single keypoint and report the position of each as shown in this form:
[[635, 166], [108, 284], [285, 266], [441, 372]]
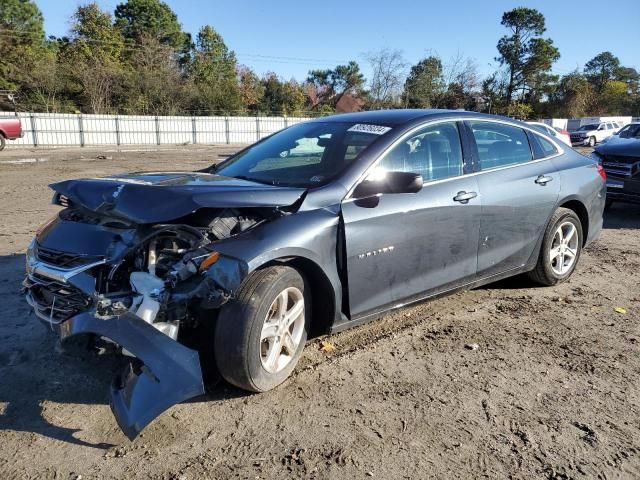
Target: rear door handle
[[543, 180], [464, 197]]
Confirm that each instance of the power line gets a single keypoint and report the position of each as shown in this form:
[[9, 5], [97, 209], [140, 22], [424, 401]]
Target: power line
[[132, 46]]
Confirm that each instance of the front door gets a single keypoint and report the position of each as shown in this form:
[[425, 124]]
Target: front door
[[518, 196], [401, 245]]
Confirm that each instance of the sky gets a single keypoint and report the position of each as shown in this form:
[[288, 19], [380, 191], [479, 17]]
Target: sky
[[291, 37]]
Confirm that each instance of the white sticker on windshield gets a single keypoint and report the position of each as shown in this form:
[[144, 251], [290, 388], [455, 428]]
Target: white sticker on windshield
[[374, 129]]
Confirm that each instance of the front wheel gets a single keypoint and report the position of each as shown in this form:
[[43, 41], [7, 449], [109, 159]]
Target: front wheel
[[3, 142], [592, 141], [260, 334], [561, 248]]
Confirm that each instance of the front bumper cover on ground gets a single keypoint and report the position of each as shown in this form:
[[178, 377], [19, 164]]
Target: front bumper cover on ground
[[170, 374]]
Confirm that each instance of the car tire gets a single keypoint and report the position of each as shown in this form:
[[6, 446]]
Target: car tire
[[592, 141], [253, 328], [554, 263], [607, 204], [3, 142]]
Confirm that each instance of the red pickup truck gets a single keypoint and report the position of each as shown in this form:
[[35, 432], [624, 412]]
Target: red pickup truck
[[10, 129]]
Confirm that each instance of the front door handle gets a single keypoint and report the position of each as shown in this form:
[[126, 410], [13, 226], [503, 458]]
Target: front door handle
[[464, 197], [543, 180]]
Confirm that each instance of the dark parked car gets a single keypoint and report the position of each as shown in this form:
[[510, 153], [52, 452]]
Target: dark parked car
[[383, 209], [620, 157]]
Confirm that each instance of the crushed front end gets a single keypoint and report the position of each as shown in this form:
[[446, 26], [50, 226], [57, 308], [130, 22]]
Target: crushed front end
[[139, 287]]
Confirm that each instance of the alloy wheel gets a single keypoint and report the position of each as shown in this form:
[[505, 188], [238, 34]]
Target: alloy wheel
[[282, 330], [564, 248]]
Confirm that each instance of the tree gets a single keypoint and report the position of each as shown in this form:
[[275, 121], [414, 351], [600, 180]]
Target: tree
[[155, 85], [281, 97], [95, 58], [524, 52], [494, 90], [631, 77], [44, 80], [388, 74], [614, 98], [21, 35], [425, 84], [151, 18], [574, 96], [213, 71], [251, 89], [294, 98], [461, 79], [520, 110], [601, 69], [332, 85]]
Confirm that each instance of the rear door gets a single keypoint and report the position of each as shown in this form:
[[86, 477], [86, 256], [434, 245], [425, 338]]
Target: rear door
[[519, 192], [401, 245]]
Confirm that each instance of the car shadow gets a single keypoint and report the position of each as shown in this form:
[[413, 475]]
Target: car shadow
[[36, 371], [622, 215]]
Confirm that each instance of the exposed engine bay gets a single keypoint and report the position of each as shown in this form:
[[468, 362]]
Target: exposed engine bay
[[156, 272]]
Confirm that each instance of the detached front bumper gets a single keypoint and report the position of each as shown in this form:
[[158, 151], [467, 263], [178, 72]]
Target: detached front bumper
[[170, 373]]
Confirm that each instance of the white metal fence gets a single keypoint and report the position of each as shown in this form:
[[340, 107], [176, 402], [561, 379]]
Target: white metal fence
[[59, 129]]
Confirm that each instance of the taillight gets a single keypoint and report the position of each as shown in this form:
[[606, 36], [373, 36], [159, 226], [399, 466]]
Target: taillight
[[601, 171]]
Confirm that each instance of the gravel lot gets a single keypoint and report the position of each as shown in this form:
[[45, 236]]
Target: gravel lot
[[553, 391]]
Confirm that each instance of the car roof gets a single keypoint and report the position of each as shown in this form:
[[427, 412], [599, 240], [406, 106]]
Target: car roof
[[398, 117]]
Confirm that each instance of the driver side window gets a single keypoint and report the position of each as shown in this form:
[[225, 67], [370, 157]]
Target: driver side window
[[433, 152]]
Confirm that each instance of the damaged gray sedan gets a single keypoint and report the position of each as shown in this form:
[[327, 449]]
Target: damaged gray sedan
[[319, 227]]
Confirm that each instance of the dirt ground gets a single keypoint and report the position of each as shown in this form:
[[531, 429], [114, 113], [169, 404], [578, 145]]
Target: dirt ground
[[553, 391]]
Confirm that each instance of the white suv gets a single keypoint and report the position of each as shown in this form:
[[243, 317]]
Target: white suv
[[593, 133]]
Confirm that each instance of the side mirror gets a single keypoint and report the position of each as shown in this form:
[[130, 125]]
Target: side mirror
[[389, 182]]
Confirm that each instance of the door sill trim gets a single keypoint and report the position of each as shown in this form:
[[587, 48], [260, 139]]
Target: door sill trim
[[421, 297]]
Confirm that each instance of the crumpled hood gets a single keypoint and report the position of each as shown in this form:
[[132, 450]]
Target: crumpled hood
[[624, 147], [156, 197]]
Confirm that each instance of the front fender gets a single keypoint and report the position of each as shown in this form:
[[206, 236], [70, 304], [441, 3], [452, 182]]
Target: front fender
[[310, 235]]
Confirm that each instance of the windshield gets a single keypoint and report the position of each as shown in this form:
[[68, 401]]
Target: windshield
[[305, 155], [588, 127], [630, 131]]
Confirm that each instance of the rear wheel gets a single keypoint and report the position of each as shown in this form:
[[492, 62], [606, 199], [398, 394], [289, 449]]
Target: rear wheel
[[260, 334], [561, 248], [592, 141], [3, 142]]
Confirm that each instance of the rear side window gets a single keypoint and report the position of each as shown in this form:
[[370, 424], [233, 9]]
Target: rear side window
[[500, 145], [433, 152], [548, 148]]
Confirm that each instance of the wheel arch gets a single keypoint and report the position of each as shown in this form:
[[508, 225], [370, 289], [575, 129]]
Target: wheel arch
[[323, 297], [581, 211]]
